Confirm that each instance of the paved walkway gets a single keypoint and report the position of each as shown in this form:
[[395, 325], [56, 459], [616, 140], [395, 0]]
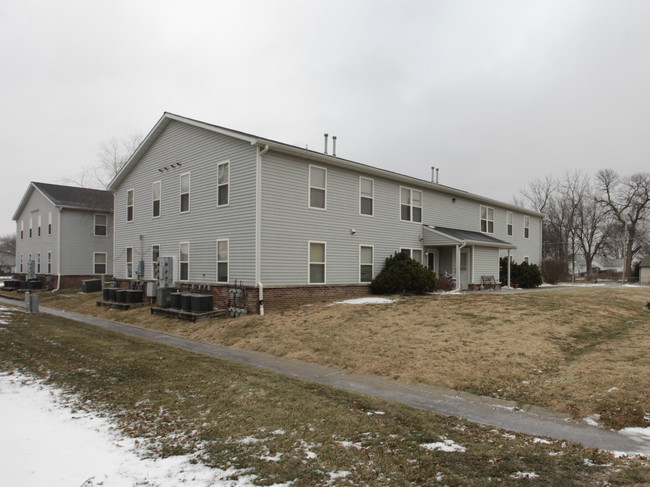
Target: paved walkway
[[530, 420]]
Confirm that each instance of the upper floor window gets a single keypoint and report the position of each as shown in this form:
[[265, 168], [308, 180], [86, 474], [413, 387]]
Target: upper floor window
[[317, 187], [316, 263], [49, 223], [38, 228], [30, 227], [222, 260], [99, 263], [223, 184], [411, 205], [155, 253], [22, 231], [184, 259], [487, 219], [365, 263], [509, 223], [101, 224], [129, 205], [185, 192], [367, 196], [155, 198], [526, 226]]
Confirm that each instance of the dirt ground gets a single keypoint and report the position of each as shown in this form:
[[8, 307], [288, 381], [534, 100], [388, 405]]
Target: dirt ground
[[577, 350]]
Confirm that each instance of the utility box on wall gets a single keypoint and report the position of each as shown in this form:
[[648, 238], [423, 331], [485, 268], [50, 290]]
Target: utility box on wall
[[165, 272]]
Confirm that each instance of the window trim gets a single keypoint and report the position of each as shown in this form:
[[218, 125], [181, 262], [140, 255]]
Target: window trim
[[313, 166], [371, 198], [189, 191], [526, 227], [38, 263], [410, 253], [21, 263], [49, 223], [49, 262], [411, 205], [129, 275], [95, 225], [154, 263], [130, 215], [227, 261], [95, 254], [372, 263], [39, 223], [309, 262], [31, 224], [153, 199], [509, 224], [227, 184], [22, 231], [180, 262], [487, 219]]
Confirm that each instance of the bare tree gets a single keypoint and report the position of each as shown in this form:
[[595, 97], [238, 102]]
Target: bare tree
[[627, 201], [8, 243]]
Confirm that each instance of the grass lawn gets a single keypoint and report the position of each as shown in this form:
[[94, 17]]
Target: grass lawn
[[582, 351], [279, 428]]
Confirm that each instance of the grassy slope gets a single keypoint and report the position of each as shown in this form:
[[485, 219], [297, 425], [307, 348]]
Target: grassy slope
[[582, 351], [233, 415]]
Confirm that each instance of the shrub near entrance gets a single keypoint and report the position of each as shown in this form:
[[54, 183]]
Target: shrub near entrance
[[401, 274]]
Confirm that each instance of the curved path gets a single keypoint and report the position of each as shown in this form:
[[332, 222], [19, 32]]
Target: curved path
[[530, 420]]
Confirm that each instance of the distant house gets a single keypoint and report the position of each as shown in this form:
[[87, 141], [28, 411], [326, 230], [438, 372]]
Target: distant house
[[7, 262], [602, 265], [295, 225], [644, 270], [64, 232]]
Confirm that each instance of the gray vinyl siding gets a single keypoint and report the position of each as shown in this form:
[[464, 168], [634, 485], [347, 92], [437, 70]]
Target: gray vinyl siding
[[199, 151], [37, 205], [78, 242], [486, 263]]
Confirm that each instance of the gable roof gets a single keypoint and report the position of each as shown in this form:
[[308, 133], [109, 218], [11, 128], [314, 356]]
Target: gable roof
[[70, 197], [645, 262], [288, 149], [456, 236]]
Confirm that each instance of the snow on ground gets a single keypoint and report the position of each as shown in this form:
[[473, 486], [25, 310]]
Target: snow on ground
[[44, 442], [366, 301], [445, 445]]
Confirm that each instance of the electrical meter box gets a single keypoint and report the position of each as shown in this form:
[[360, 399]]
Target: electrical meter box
[[165, 272]]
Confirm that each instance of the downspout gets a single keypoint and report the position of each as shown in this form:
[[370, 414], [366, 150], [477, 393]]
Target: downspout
[[458, 248], [58, 249], [258, 227]]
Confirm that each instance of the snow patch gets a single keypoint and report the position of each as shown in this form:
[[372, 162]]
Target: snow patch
[[445, 445], [365, 301], [524, 475]]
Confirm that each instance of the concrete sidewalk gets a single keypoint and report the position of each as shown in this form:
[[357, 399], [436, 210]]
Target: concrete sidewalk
[[530, 420]]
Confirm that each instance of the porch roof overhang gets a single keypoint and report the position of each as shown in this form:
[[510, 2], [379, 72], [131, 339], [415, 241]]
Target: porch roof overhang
[[442, 236]]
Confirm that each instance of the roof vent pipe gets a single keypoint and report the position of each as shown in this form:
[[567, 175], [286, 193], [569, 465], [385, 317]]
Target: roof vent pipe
[[433, 174], [334, 145], [437, 169], [325, 144]]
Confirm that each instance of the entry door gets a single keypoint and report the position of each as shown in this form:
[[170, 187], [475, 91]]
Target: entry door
[[464, 269]]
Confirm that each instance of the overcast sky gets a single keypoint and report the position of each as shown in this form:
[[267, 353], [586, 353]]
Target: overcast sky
[[495, 93]]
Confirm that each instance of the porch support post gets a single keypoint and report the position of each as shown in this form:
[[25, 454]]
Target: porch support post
[[508, 267], [458, 284]]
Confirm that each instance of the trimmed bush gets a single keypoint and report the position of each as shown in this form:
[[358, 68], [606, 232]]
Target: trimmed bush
[[525, 275], [401, 274]]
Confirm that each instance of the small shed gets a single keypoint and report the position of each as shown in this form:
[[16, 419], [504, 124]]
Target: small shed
[[644, 270]]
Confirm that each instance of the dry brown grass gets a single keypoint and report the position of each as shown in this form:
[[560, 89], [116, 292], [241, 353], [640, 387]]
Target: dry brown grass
[[582, 351]]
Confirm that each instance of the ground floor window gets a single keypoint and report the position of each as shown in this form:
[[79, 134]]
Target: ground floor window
[[366, 263], [222, 260], [129, 262], [184, 252], [99, 262], [38, 263], [415, 254], [49, 262], [316, 263], [155, 253]]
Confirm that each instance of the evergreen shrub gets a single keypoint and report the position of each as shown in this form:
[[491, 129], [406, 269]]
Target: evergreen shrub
[[401, 274]]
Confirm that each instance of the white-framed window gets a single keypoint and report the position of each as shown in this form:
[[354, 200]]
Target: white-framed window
[[366, 260], [130, 201], [38, 263], [99, 262], [22, 232], [222, 260], [156, 194], [38, 228], [415, 254], [317, 252], [30, 227], [509, 223], [155, 253], [410, 205], [49, 223], [49, 262], [366, 196], [101, 225], [184, 261], [21, 262], [526, 226], [185, 192], [526, 259], [223, 183], [129, 262], [317, 187], [487, 219]]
